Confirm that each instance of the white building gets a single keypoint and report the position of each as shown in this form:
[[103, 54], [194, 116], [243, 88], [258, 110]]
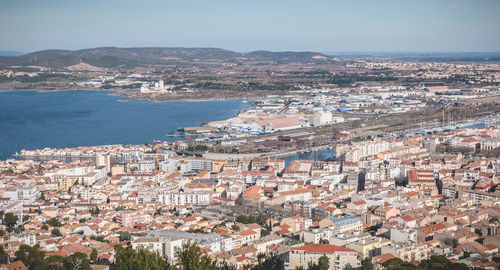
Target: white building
[[339, 257], [26, 194], [184, 198]]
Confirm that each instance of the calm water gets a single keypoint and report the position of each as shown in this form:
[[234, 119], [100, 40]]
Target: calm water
[[34, 120], [315, 155]]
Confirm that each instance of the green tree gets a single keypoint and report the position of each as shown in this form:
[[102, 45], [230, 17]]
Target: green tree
[[441, 262], [3, 255], [94, 256], [56, 232], [31, 257], [128, 259], [271, 262], [45, 227], [77, 261], [10, 219], [55, 263], [323, 264], [366, 264], [125, 236], [54, 222], [242, 219], [190, 257], [398, 264]]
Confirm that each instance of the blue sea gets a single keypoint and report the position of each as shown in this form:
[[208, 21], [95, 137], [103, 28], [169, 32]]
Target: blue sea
[[35, 120]]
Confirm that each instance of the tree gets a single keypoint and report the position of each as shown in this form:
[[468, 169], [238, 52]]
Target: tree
[[398, 264], [31, 257], [54, 222], [56, 262], [242, 219], [45, 227], [435, 262], [138, 259], [125, 236], [441, 262], [56, 232], [77, 261], [323, 264], [366, 264], [94, 256], [271, 262], [10, 219], [191, 258], [3, 255]]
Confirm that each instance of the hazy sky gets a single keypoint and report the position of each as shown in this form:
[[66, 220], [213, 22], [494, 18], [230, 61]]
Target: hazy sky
[[330, 25]]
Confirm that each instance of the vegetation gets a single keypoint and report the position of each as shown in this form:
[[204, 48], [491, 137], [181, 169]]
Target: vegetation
[[125, 236], [190, 257], [33, 258], [3, 255], [94, 256], [99, 238], [436, 262], [54, 222], [10, 219], [268, 263], [322, 264], [366, 264], [56, 232], [251, 219], [138, 259]]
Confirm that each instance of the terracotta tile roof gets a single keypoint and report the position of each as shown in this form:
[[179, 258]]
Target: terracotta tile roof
[[224, 256], [247, 232], [252, 192], [384, 257], [17, 265]]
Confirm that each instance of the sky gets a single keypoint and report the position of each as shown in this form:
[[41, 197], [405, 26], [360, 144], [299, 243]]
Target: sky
[[248, 25]]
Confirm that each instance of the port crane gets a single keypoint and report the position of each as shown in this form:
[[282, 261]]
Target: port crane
[[157, 148]]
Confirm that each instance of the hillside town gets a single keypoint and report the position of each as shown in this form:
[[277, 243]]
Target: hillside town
[[250, 135], [380, 199]]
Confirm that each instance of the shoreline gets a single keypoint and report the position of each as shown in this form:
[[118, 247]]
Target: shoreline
[[118, 93]]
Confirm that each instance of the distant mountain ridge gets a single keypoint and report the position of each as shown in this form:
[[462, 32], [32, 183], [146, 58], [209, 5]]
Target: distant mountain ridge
[[11, 53], [112, 57]]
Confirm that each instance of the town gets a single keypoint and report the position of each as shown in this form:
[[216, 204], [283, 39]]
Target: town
[[379, 200], [250, 135]]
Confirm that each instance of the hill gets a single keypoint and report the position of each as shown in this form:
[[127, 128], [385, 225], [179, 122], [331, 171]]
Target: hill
[[11, 53], [112, 57]]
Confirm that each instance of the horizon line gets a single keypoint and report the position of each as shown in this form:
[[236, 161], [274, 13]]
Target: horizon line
[[257, 50]]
